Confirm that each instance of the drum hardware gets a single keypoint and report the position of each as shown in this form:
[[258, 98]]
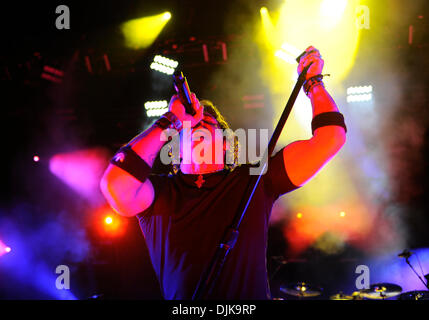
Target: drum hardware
[[301, 290], [381, 291], [414, 295]]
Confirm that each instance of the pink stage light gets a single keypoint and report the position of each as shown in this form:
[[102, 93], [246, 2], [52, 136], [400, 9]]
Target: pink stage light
[[81, 170], [4, 248]]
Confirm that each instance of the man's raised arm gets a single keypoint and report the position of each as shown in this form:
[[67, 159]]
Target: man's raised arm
[[303, 159]]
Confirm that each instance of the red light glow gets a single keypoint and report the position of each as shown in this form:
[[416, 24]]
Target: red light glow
[[109, 224]]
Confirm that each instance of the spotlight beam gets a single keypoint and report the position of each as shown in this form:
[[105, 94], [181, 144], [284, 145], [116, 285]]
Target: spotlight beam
[[141, 33]]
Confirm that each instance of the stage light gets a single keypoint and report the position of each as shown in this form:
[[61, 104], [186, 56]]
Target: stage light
[[109, 224], [298, 23], [331, 12], [108, 220], [269, 30], [293, 51], [359, 98], [164, 65], [52, 74], [288, 53], [156, 108], [166, 61], [4, 248], [284, 56], [36, 158], [166, 16], [141, 33], [299, 215], [81, 170], [359, 90], [161, 68], [359, 94]]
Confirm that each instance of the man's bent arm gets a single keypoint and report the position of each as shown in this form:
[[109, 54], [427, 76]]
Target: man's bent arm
[[120, 188], [303, 159], [126, 194]]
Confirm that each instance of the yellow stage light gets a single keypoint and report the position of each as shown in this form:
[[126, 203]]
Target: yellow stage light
[[166, 16], [141, 33], [268, 29], [328, 25], [331, 12]]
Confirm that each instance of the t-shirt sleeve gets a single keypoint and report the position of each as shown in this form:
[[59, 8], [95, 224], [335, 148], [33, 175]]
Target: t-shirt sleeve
[[276, 178]]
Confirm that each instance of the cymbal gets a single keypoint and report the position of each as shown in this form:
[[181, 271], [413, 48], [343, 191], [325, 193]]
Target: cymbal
[[381, 291], [414, 295], [341, 296], [301, 289]]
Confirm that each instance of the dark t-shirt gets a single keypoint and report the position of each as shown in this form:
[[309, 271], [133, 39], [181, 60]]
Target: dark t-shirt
[[184, 225]]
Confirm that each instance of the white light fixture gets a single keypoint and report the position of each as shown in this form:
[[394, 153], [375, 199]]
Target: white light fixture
[[156, 108], [359, 94], [288, 53], [164, 65]]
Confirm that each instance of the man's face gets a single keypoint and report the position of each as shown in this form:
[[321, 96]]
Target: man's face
[[203, 141]]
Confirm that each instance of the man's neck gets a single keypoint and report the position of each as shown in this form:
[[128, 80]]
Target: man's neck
[[203, 168]]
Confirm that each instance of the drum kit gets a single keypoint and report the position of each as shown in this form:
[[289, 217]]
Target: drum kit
[[378, 291]]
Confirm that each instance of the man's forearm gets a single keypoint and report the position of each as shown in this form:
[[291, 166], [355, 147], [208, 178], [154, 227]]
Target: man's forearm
[[148, 144], [321, 101]]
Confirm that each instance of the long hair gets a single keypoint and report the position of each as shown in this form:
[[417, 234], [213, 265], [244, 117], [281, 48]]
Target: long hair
[[211, 109]]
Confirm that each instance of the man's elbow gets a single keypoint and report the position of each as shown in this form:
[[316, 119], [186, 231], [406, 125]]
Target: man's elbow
[[108, 190]]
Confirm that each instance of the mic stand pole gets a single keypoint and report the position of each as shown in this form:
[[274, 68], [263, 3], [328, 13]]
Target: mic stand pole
[[408, 262], [210, 275]]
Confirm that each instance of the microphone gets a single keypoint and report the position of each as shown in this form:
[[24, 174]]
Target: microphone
[[405, 254], [182, 88]]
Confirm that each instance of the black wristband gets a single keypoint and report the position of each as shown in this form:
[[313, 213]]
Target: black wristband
[[328, 119], [176, 123], [163, 123], [313, 81], [128, 160], [168, 120]]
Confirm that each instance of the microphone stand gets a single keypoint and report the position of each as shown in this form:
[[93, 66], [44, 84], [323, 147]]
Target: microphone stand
[[211, 274], [408, 262]]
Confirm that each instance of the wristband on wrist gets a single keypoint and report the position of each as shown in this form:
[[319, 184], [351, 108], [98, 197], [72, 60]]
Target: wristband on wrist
[[313, 82], [128, 160], [328, 119], [169, 120]]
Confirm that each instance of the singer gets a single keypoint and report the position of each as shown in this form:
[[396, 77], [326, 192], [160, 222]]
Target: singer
[[183, 216]]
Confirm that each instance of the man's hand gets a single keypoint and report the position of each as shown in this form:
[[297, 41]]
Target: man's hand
[[178, 109], [315, 57]]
